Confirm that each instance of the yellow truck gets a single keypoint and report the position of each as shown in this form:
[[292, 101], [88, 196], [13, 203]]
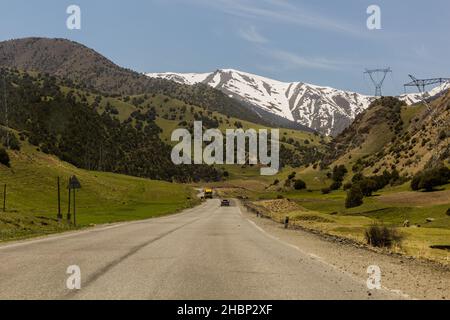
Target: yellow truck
[[208, 193]]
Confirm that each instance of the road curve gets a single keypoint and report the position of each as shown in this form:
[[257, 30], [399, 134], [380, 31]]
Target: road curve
[[207, 252]]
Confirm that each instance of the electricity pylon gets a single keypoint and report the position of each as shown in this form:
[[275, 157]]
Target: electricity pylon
[[378, 81], [422, 83]]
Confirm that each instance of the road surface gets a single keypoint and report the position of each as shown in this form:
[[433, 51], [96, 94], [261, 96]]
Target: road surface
[[207, 252]]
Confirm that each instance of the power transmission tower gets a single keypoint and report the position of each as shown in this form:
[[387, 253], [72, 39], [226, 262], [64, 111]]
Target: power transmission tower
[[378, 81], [422, 83]]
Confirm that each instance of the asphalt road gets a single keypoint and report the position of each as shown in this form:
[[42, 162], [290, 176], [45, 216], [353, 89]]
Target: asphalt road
[[207, 252]]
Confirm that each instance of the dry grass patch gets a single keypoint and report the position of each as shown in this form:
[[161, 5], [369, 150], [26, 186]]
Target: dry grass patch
[[279, 205], [417, 198]]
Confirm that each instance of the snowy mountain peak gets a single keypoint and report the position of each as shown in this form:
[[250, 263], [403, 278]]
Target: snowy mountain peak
[[324, 109]]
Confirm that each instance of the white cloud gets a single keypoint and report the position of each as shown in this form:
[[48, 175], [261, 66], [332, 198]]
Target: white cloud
[[293, 60], [281, 11], [252, 35]]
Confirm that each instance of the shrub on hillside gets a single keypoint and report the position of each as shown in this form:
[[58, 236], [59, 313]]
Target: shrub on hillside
[[348, 186], [336, 185], [415, 182], [382, 236], [354, 197], [337, 176], [368, 186], [292, 175], [299, 185], [448, 212], [9, 140], [4, 157], [326, 190], [429, 179]]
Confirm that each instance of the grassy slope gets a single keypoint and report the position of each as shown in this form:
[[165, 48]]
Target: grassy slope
[[327, 213], [379, 136], [352, 222], [104, 197], [409, 150], [163, 104]]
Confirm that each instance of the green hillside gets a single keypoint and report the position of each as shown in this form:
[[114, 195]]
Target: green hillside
[[82, 66], [298, 147], [61, 122], [31, 207]]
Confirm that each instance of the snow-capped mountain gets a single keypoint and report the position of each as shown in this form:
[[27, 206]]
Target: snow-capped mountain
[[324, 109]]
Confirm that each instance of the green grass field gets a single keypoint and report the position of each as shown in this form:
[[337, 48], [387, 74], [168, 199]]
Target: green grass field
[[104, 198], [352, 223], [327, 213]]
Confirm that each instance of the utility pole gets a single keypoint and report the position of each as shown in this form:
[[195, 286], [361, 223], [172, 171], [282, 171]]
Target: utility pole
[[378, 81]]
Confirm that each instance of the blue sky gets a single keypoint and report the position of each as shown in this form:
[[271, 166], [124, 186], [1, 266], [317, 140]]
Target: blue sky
[[320, 42]]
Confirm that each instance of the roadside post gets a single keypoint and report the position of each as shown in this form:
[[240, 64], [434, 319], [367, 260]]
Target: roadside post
[[68, 206], [74, 184], [59, 202], [286, 222]]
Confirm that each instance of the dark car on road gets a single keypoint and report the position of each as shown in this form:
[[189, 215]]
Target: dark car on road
[[225, 203]]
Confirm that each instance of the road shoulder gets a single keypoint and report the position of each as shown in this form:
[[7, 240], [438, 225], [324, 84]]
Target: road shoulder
[[409, 277]]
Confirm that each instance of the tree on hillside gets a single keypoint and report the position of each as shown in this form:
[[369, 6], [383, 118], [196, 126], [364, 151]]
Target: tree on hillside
[[429, 179], [337, 176], [292, 175], [299, 185], [368, 186], [354, 197]]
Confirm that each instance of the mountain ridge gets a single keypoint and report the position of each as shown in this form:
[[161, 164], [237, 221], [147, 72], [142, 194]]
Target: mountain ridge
[[325, 109], [81, 65]]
